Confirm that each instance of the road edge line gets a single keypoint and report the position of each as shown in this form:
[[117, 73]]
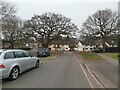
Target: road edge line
[[95, 77], [92, 73], [87, 77]]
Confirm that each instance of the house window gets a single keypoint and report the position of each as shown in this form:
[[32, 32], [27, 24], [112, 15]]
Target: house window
[[90, 48], [83, 49], [86, 48]]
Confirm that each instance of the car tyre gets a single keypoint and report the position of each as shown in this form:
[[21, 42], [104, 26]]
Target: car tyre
[[37, 64], [14, 73]]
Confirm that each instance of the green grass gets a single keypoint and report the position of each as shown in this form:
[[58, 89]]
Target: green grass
[[90, 56], [113, 55]]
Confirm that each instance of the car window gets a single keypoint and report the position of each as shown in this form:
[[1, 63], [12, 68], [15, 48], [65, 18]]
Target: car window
[[47, 50], [9, 55], [19, 54], [42, 49], [26, 54], [0, 53]]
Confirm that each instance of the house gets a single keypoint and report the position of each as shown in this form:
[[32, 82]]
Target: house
[[64, 47], [52, 47], [110, 41], [59, 47], [111, 44], [84, 47]]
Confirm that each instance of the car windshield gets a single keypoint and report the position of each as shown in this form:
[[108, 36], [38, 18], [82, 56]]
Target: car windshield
[[42, 49]]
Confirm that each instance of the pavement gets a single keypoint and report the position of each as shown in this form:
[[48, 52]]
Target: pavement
[[63, 72], [105, 70], [109, 59], [111, 66]]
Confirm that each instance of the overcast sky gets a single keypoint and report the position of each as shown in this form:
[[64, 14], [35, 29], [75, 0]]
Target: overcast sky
[[77, 10]]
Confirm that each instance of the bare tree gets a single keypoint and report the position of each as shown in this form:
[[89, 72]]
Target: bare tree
[[7, 9], [12, 29], [101, 24], [48, 26], [118, 27]]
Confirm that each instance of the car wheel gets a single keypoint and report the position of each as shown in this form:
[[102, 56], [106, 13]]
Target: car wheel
[[37, 64], [14, 73]]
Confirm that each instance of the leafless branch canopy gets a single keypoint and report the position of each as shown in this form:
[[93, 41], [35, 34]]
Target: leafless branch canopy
[[48, 26]]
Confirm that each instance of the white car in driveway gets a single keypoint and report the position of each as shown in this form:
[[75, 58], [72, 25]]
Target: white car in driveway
[[14, 62]]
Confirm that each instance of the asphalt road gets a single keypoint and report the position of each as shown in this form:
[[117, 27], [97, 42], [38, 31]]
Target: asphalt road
[[64, 72]]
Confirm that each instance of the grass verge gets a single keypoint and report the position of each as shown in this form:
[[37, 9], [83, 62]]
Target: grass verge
[[90, 56], [113, 55]]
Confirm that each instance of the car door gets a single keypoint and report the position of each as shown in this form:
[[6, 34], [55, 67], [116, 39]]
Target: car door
[[29, 60], [21, 60], [8, 62]]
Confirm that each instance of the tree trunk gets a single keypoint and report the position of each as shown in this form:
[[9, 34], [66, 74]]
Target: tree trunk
[[12, 44], [45, 45], [103, 43]]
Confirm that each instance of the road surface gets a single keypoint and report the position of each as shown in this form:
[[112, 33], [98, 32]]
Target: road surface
[[64, 72]]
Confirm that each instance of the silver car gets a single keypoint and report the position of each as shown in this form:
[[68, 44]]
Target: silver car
[[14, 62]]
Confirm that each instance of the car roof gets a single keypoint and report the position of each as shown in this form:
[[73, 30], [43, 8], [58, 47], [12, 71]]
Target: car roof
[[2, 50]]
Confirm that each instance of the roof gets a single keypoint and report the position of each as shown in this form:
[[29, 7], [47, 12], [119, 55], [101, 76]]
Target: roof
[[1, 50], [111, 40]]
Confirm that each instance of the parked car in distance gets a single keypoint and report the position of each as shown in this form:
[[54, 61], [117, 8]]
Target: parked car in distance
[[43, 52], [15, 62]]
